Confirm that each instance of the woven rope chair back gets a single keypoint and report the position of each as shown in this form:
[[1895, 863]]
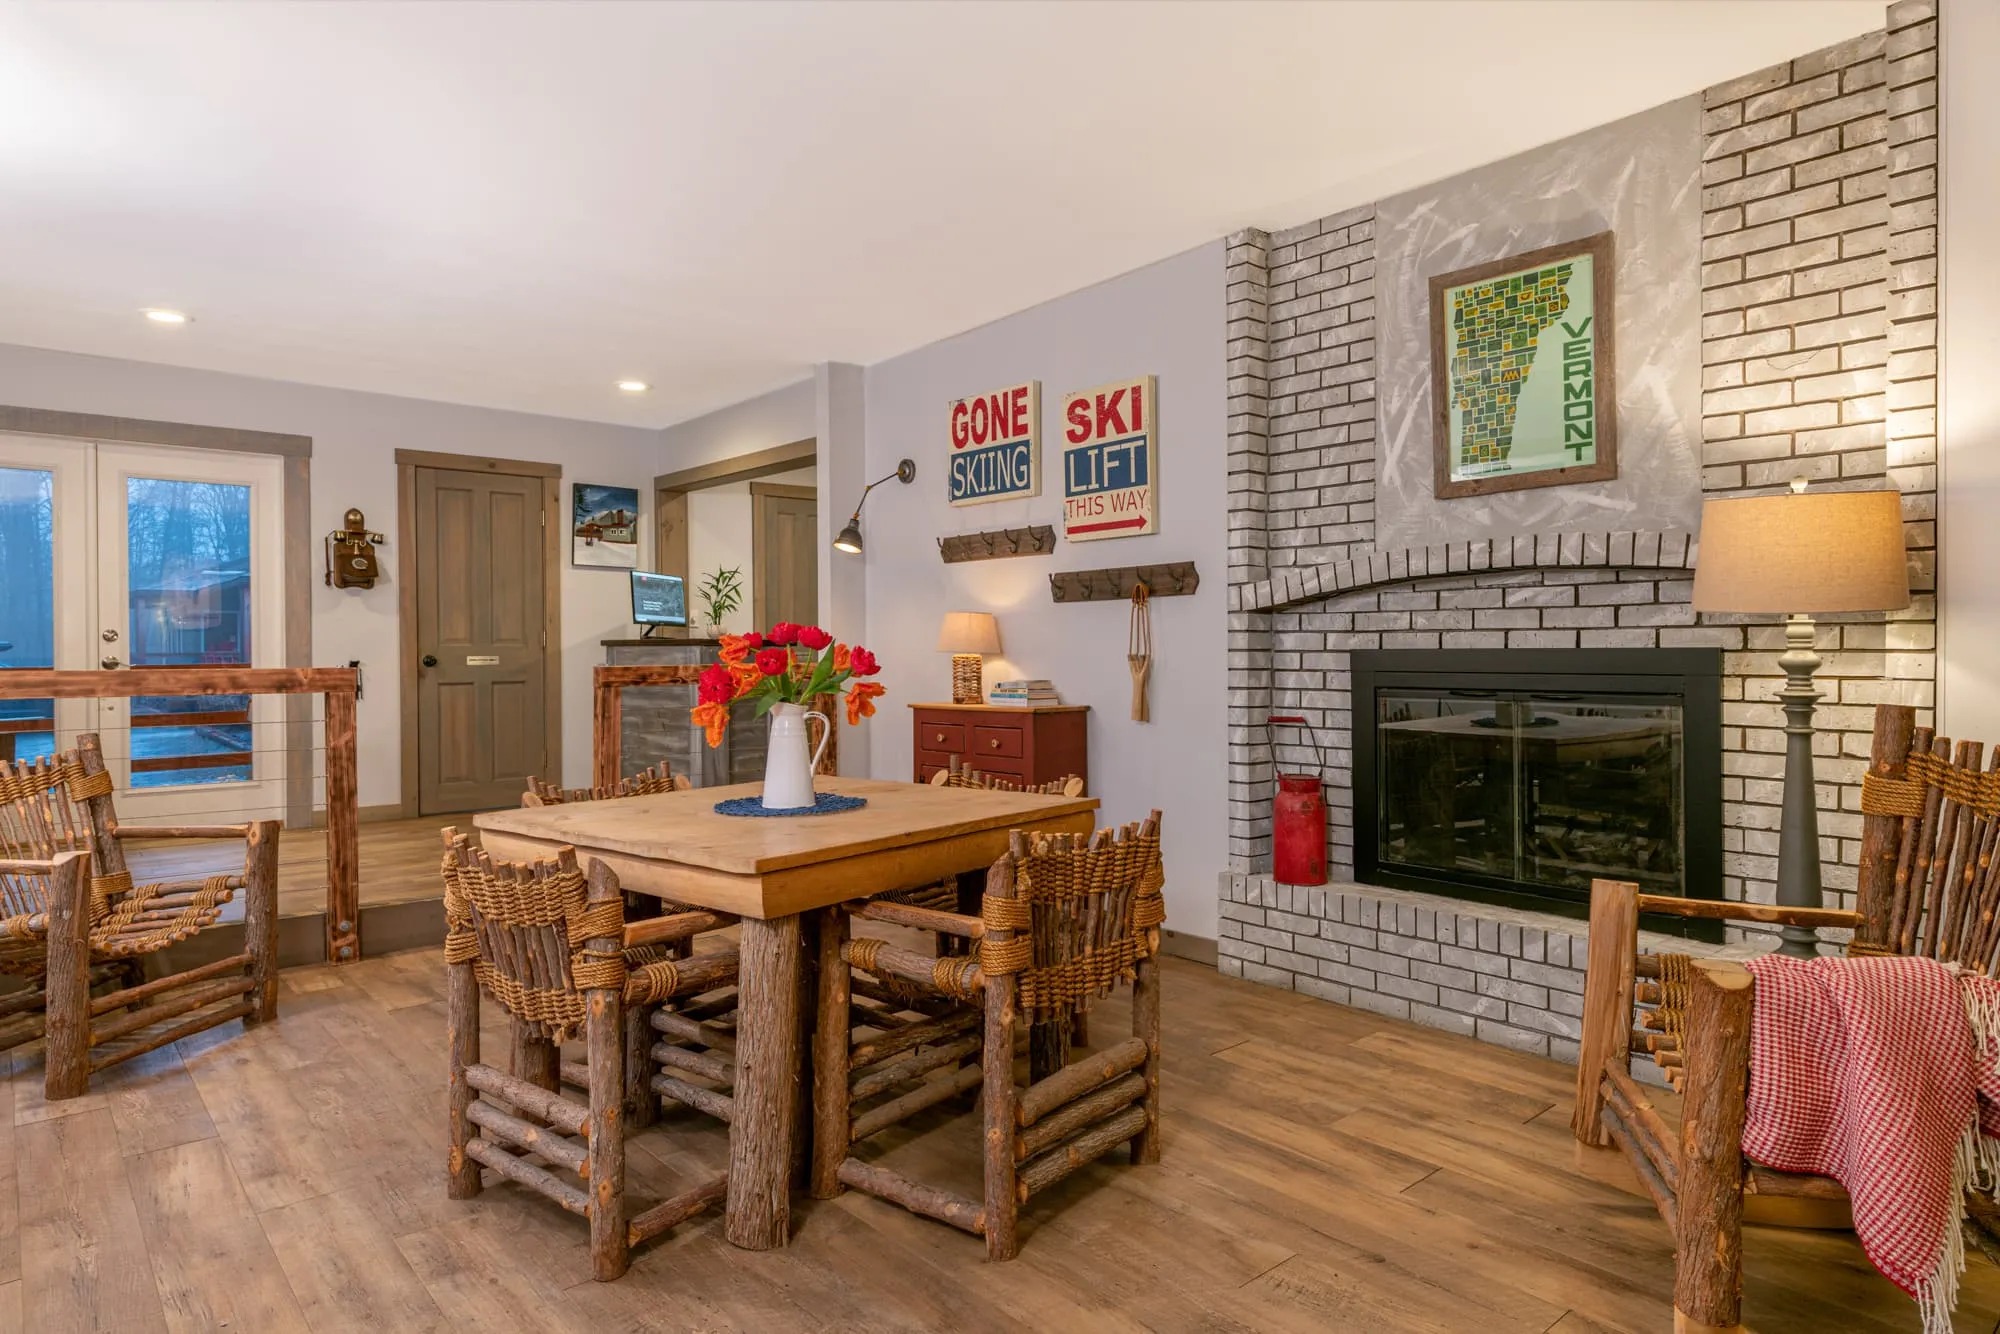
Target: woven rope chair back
[[39, 818], [59, 803], [1091, 909], [524, 926], [1943, 901]]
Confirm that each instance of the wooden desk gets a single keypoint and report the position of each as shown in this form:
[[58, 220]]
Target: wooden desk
[[770, 872]]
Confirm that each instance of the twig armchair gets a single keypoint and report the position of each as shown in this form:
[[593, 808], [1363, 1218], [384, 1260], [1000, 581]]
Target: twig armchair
[[72, 920], [553, 947], [959, 773], [1927, 884], [1064, 920], [541, 792]]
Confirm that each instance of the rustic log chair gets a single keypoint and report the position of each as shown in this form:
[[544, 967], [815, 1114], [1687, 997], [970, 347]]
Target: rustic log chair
[[75, 925], [1927, 885], [552, 945], [961, 774], [1063, 920], [645, 783]]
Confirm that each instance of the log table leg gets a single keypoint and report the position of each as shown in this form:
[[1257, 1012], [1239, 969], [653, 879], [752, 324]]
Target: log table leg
[[766, 1093]]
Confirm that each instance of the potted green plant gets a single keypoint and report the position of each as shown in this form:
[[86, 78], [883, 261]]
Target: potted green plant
[[721, 594]]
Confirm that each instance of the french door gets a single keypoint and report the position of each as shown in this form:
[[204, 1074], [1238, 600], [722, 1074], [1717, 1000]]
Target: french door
[[119, 556]]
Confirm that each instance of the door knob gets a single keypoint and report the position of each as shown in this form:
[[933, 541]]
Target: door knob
[[107, 663], [430, 660]]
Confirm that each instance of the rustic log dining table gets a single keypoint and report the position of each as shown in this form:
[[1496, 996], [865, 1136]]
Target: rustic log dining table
[[772, 872]]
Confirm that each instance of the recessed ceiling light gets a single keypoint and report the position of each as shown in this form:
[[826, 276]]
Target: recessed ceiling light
[[634, 386], [158, 316]]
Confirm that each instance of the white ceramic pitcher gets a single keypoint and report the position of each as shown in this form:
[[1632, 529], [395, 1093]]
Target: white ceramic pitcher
[[788, 764]]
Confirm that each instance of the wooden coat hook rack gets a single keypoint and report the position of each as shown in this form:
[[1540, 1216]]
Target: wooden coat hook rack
[[1039, 540], [1116, 585]]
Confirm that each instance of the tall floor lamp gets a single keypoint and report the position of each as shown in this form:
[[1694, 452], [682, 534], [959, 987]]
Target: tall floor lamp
[[1802, 554]]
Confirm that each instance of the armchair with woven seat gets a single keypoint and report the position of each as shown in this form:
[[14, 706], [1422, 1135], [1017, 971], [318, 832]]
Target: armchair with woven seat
[[1064, 920], [1927, 885], [552, 945], [79, 930]]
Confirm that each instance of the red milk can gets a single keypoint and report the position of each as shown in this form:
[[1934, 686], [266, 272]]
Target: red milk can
[[1298, 817]]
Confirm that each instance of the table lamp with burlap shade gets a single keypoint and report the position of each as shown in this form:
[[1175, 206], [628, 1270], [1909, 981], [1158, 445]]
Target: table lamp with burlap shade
[[1801, 554], [965, 635]]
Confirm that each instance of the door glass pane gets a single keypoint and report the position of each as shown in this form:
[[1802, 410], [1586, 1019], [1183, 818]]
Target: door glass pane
[[27, 609], [188, 589]]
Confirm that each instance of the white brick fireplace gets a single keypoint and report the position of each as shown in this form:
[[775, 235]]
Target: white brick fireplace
[[1777, 267]]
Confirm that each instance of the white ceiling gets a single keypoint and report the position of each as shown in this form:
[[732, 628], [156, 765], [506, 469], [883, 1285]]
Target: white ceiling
[[517, 204]]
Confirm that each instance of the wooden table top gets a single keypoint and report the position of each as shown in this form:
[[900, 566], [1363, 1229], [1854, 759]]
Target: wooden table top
[[674, 844]]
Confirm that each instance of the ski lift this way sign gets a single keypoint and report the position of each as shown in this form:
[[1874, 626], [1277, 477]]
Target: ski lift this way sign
[[1110, 470]]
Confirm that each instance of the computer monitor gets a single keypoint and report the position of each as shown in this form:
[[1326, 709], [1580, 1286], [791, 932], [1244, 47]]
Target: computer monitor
[[658, 599]]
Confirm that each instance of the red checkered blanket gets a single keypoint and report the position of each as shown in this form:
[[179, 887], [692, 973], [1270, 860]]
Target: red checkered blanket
[[1881, 1073]]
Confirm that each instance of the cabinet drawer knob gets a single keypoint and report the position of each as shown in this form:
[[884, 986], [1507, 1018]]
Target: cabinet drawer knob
[[940, 738], [995, 743]]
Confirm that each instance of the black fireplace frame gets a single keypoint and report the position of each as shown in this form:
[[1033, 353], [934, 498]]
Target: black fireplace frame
[[1693, 674]]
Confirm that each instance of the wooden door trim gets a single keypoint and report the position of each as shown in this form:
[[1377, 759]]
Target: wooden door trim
[[139, 431], [424, 458], [784, 491], [407, 463], [670, 550], [742, 468]]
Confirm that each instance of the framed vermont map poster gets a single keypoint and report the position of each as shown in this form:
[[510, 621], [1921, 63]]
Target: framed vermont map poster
[[1522, 381]]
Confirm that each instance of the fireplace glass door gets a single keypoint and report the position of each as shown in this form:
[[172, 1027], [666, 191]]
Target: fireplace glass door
[[1538, 790]]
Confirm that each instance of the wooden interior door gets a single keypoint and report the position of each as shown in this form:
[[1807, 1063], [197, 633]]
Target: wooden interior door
[[784, 544], [480, 637]]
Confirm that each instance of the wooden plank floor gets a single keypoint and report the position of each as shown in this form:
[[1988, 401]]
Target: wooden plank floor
[[1324, 1170], [399, 862]]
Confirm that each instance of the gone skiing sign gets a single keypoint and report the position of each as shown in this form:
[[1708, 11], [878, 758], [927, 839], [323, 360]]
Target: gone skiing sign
[[1109, 471], [996, 445]]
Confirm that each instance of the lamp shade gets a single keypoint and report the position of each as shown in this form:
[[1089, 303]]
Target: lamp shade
[[969, 632], [1802, 553]]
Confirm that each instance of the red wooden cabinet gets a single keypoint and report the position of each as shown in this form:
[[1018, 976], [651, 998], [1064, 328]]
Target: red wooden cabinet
[[1034, 745]]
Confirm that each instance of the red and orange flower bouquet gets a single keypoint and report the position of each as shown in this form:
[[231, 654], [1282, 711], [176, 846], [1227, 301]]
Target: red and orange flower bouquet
[[790, 664]]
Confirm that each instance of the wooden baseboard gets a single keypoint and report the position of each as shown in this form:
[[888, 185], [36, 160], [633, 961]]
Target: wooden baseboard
[[1181, 945]]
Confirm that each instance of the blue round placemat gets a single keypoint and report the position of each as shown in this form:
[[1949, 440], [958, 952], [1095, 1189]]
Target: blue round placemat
[[824, 803]]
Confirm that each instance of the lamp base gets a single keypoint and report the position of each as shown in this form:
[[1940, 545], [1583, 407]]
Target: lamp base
[[967, 687], [1798, 824]]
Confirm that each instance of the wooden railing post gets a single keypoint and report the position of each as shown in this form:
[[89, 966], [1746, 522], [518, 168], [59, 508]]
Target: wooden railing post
[[343, 832]]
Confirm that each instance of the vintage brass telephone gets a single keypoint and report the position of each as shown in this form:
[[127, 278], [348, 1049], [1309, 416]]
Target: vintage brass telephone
[[350, 553]]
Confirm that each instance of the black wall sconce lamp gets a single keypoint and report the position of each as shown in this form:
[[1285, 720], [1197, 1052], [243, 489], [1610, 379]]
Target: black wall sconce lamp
[[850, 536]]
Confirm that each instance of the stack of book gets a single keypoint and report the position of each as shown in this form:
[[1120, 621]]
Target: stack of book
[[1024, 694]]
